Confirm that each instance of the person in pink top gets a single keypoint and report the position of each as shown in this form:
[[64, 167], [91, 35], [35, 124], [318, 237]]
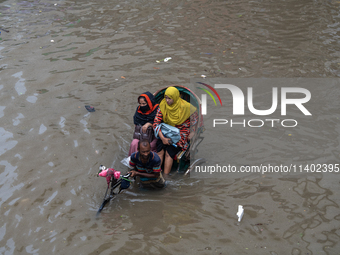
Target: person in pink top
[[144, 116]]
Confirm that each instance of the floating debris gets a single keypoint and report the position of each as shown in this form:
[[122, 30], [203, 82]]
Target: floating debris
[[42, 91], [165, 60], [126, 161], [240, 213], [90, 108], [7, 31]]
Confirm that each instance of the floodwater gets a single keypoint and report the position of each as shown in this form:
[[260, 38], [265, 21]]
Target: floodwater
[[60, 56]]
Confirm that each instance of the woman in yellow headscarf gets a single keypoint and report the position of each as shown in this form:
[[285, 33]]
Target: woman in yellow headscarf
[[177, 112]]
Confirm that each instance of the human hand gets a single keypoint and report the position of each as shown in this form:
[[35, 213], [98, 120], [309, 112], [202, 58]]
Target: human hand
[[145, 127], [166, 141], [133, 173]]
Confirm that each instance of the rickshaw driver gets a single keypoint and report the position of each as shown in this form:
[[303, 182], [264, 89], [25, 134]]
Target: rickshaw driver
[[147, 165]]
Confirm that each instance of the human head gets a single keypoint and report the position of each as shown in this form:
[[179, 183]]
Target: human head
[[143, 143], [144, 148], [171, 95], [146, 102], [142, 102]]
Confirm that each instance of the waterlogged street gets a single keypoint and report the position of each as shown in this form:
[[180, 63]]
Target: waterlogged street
[[56, 57]]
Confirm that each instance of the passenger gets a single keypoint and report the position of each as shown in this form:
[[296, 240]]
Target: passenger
[[144, 116], [177, 112], [147, 165]]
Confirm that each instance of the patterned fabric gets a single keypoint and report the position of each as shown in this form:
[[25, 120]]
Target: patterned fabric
[[184, 128], [152, 166]]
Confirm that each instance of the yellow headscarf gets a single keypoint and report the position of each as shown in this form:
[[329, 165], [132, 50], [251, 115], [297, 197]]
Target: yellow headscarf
[[179, 111]]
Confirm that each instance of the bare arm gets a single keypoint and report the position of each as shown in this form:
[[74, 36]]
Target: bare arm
[[145, 126], [158, 120], [146, 175]]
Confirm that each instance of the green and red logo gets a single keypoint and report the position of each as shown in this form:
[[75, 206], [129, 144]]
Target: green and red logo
[[204, 97]]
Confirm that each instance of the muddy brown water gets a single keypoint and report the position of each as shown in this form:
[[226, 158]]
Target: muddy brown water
[[59, 56]]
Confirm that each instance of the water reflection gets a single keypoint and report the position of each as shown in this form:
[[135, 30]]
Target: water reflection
[[16, 121], [104, 54], [62, 125], [7, 179], [9, 248], [31, 250], [20, 84], [42, 129], [2, 108], [6, 141], [2, 231], [32, 99]]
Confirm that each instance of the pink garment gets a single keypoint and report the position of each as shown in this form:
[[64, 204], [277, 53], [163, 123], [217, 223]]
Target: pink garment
[[108, 174], [134, 146]]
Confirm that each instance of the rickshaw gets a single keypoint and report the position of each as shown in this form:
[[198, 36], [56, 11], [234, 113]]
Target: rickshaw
[[184, 161]]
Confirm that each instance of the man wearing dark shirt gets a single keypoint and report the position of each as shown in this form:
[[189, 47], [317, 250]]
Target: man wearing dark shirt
[[147, 165]]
